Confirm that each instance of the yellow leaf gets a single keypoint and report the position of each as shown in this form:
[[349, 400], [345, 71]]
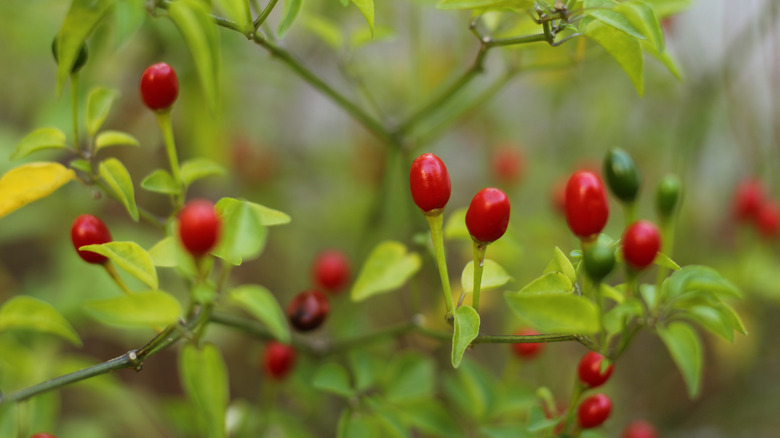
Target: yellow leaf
[[30, 182]]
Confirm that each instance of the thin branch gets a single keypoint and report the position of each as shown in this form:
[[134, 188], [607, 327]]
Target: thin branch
[[263, 15]]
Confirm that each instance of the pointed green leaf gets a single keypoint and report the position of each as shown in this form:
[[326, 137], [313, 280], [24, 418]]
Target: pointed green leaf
[[410, 376], [130, 257], [40, 139], [555, 312], [332, 377], [291, 10], [663, 260], [493, 276], [114, 173], [82, 18], [27, 313], [98, 105], [364, 36], [193, 19], [685, 348], [551, 282], [665, 58], [466, 330], [243, 234], [195, 169], [367, 9], [203, 375], [665, 8], [484, 4], [153, 308], [431, 418], [261, 304], [561, 263], [642, 17], [115, 138], [328, 31], [366, 368], [268, 216], [163, 253], [623, 47], [160, 181], [617, 317], [82, 165], [387, 268], [606, 12], [694, 278]]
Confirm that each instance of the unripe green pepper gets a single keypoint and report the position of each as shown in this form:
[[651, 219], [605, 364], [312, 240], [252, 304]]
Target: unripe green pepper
[[622, 175], [81, 59], [667, 196], [598, 259]]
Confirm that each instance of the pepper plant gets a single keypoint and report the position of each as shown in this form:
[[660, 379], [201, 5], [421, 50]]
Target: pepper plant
[[185, 289]]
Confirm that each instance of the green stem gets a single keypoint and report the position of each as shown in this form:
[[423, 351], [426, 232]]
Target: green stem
[[370, 123], [109, 267], [164, 120], [541, 37], [479, 266], [521, 339], [629, 213], [576, 393], [131, 359], [667, 242], [74, 108], [263, 15], [144, 213], [436, 221]]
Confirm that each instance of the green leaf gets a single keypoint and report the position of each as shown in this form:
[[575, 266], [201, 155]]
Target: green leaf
[[359, 425], [153, 308], [551, 282], [365, 36], [40, 139], [695, 278], [561, 263], [204, 377], [8, 419], [387, 268], [606, 12], [261, 304], [98, 105], [505, 431], [493, 276], [118, 179], [624, 48], [650, 295], [431, 418], [613, 293], [711, 314], [268, 216], [366, 369], [664, 8], [291, 10], [328, 31], [129, 17], [243, 234], [685, 348], [195, 169], [27, 313], [663, 260], [616, 318], [82, 18], [238, 11], [332, 377], [160, 181], [410, 376], [193, 19], [82, 165], [114, 138], [555, 312], [642, 17], [665, 58], [484, 4], [130, 257], [466, 330], [367, 9]]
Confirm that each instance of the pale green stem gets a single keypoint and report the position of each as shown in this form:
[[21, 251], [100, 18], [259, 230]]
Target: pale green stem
[[164, 120], [436, 222], [263, 15], [479, 265]]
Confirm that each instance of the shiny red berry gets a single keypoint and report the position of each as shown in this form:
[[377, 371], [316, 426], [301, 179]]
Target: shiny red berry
[[641, 243], [587, 208], [594, 411], [488, 215], [748, 199], [43, 435], [278, 359], [308, 310], [89, 230], [508, 165], [639, 429], [589, 370], [527, 350], [159, 86], [768, 219], [331, 270], [430, 182], [199, 227]]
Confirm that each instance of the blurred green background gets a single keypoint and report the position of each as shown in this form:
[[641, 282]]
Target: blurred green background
[[290, 148]]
